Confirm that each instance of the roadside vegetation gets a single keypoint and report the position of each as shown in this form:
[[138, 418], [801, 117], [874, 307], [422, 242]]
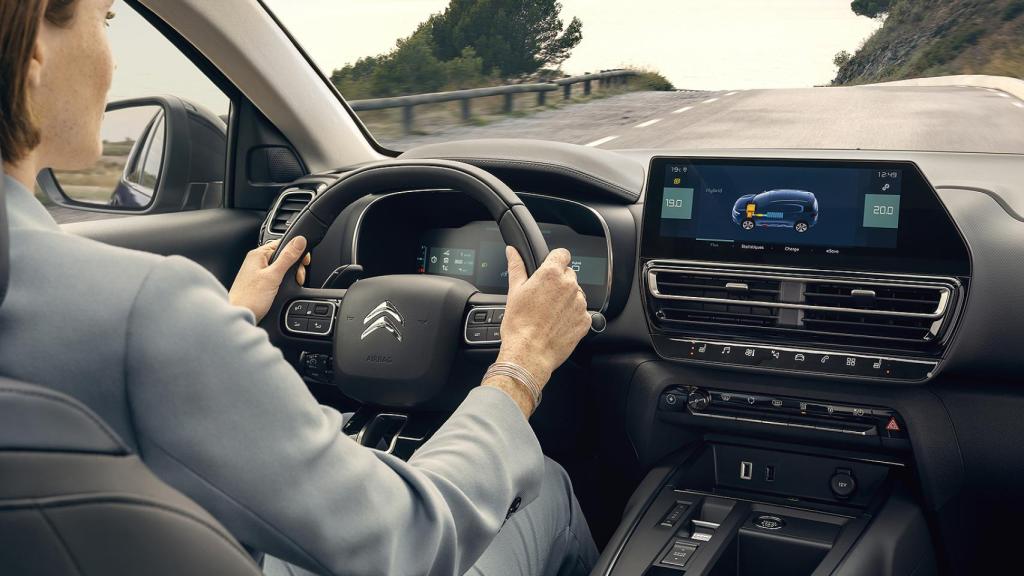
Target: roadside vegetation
[[920, 38], [473, 44]]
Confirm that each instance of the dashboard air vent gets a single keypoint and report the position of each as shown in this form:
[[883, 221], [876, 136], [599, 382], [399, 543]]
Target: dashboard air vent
[[891, 312], [703, 298], [288, 206], [774, 305]]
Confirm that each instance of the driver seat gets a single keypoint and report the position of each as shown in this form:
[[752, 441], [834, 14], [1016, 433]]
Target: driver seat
[[74, 500]]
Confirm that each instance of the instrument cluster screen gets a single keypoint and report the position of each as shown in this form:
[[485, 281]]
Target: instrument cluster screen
[[476, 253], [447, 261]]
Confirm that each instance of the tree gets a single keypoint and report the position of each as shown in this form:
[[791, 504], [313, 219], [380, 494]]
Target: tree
[[410, 68], [870, 8], [512, 36], [842, 58]]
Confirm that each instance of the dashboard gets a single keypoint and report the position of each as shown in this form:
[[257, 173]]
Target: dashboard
[[835, 298], [911, 256]]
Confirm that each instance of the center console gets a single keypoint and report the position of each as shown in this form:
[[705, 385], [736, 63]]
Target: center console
[[729, 508], [789, 302]]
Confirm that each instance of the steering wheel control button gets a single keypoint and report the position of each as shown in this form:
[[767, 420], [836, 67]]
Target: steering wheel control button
[[769, 522], [483, 325], [842, 483], [310, 317]]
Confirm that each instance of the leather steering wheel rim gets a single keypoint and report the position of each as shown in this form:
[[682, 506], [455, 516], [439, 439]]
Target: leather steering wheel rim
[[517, 226]]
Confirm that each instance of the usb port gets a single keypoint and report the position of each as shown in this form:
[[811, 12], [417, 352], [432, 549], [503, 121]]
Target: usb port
[[769, 473], [746, 470]]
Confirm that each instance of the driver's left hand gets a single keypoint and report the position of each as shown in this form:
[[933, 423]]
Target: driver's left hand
[[258, 280]]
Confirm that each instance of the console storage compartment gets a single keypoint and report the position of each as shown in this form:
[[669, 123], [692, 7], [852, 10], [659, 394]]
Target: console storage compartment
[[730, 509]]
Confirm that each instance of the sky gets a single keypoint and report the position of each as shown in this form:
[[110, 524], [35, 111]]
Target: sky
[[149, 65], [697, 44]]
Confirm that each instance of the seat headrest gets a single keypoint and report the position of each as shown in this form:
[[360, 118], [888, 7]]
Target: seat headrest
[[34, 418], [5, 241]]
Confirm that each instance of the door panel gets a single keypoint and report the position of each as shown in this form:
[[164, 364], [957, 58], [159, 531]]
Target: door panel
[[217, 239]]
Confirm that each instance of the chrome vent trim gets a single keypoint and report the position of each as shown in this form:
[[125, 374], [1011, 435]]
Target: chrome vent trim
[[287, 206], [865, 310]]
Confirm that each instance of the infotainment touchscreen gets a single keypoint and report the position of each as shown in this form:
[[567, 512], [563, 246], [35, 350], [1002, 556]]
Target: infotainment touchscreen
[[757, 205], [807, 212]]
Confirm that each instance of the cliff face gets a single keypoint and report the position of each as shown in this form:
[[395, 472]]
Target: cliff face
[[940, 37]]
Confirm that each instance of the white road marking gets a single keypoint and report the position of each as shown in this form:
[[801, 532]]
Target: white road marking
[[993, 90], [1019, 104], [709, 101], [730, 94], [681, 110], [604, 140], [1002, 94], [648, 123]]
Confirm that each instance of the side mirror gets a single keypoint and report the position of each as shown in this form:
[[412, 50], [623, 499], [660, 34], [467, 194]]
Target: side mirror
[[160, 154]]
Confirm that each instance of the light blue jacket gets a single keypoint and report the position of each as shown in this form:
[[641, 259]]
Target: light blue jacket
[[153, 346]]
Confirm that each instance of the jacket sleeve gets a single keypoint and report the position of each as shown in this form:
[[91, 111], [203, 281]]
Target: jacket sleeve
[[220, 415]]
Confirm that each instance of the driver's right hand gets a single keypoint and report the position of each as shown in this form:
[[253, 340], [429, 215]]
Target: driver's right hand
[[545, 317]]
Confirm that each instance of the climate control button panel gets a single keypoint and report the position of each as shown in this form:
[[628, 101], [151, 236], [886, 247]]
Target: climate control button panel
[[870, 423]]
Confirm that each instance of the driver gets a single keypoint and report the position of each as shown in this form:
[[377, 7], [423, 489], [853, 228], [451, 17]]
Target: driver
[[176, 365]]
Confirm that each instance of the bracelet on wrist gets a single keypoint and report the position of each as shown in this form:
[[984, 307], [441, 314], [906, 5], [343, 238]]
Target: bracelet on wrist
[[518, 374]]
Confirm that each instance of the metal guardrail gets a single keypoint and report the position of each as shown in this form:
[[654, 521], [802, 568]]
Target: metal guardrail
[[604, 79]]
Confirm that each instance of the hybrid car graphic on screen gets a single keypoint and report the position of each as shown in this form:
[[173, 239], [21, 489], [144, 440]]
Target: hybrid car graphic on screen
[[781, 208]]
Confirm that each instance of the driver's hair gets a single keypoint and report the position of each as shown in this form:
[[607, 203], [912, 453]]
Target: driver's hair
[[19, 24]]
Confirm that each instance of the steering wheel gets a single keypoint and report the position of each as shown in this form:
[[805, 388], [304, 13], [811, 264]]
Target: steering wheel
[[394, 338]]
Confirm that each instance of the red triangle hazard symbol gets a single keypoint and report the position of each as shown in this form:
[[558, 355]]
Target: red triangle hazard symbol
[[892, 426]]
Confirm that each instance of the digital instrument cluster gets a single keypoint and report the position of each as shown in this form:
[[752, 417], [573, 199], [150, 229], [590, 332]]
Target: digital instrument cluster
[[476, 253], [444, 233]]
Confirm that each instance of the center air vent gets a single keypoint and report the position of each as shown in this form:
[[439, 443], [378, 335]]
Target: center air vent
[[776, 306], [891, 312], [287, 207], [714, 298]]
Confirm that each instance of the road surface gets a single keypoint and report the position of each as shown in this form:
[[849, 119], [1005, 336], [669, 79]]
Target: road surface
[[960, 119]]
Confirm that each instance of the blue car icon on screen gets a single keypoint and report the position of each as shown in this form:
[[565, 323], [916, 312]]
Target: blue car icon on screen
[[782, 208]]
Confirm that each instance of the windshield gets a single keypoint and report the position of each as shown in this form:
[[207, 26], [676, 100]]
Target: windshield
[[676, 73]]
